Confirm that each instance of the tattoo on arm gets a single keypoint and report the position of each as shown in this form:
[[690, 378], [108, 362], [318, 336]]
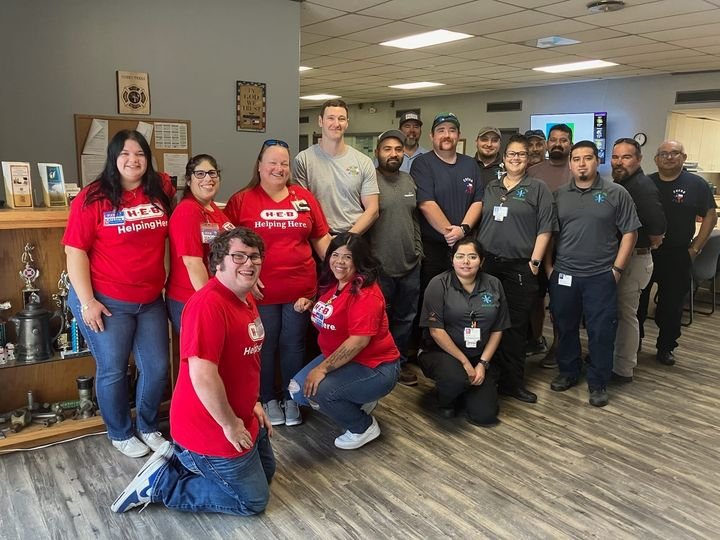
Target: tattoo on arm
[[340, 357]]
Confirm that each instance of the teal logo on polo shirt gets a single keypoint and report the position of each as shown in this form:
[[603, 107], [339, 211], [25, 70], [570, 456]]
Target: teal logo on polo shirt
[[520, 194], [486, 299], [600, 197]]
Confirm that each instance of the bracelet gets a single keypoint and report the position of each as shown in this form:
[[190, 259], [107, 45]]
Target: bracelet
[[484, 363], [86, 306], [618, 269]]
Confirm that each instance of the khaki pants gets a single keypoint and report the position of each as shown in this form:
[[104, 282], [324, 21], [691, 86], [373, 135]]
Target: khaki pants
[[634, 279]]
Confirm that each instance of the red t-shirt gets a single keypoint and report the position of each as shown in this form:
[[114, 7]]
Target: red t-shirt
[[192, 228], [361, 314], [126, 248], [286, 227], [218, 327]]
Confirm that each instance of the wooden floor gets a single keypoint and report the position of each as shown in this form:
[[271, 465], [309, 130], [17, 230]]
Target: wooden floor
[[646, 466]]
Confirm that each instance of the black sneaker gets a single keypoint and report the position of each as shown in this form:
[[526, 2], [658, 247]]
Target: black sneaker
[[562, 383], [549, 361], [622, 379], [536, 347], [666, 358], [407, 376], [599, 397]]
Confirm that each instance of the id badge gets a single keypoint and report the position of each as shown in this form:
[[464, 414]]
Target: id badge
[[208, 232], [500, 213], [472, 336], [564, 280], [300, 205]]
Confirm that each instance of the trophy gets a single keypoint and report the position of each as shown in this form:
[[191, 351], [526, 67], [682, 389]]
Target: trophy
[[3, 333], [29, 274], [62, 343]]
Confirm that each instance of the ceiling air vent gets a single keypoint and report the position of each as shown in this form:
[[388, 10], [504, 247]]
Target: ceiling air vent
[[697, 96], [504, 106], [304, 119]]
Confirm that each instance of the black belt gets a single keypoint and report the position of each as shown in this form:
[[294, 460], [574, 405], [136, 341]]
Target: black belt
[[495, 258]]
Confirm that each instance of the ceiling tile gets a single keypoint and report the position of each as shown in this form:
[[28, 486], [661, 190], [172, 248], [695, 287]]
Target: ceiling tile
[[323, 61], [362, 53], [629, 56], [643, 12], [692, 42], [625, 42], [471, 11], [347, 24], [487, 54], [332, 45], [578, 8], [400, 57], [469, 44], [596, 34], [688, 21], [347, 5], [711, 49], [556, 28], [507, 22], [681, 33], [312, 13], [386, 32], [402, 9], [306, 38]]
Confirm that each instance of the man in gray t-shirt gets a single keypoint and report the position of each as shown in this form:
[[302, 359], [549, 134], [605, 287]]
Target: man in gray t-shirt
[[395, 241], [588, 263], [341, 178]]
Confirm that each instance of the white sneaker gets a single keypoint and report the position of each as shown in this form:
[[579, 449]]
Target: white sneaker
[[292, 413], [352, 441], [139, 490], [274, 412], [131, 447], [154, 440], [369, 407]]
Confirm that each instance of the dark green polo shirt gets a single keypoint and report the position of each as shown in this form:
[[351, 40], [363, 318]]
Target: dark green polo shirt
[[589, 220], [450, 307], [529, 213]]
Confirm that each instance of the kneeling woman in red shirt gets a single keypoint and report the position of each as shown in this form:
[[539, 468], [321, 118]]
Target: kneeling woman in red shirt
[[359, 363]]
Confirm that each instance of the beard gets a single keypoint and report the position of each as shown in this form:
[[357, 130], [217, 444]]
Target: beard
[[410, 142], [619, 173], [583, 176], [557, 153], [391, 165]]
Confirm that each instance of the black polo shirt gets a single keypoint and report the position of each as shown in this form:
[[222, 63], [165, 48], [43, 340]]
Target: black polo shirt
[[589, 220], [492, 171], [683, 199], [450, 307], [647, 203], [454, 187], [529, 213]]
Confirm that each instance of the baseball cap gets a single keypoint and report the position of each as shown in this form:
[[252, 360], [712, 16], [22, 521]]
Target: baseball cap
[[445, 117], [409, 116], [488, 129], [391, 134], [535, 133]]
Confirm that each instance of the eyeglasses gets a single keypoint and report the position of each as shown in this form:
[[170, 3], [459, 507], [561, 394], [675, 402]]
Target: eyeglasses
[[669, 155], [275, 142], [628, 140], [212, 173], [466, 256], [516, 154], [241, 258]]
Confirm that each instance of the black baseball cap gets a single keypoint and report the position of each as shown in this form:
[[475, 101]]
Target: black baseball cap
[[535, 133], [391, 134], [445, 117], [409, 116]]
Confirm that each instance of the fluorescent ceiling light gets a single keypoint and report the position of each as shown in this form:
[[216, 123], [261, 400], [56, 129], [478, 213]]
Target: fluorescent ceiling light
[[320, 97], [426, 39], [554, 41], [575, 66], [414, 85], [304, 68]]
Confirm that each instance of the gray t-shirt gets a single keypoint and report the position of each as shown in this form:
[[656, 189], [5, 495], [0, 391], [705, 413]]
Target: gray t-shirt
[[589, 221], [395, 236], [338, 183]]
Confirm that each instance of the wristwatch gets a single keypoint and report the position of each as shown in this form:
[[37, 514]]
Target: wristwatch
[[696, 250], [484, 363], [536, 263], [466, 228], [618, 269]]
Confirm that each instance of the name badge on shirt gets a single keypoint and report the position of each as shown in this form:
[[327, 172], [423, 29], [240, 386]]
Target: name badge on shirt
[[112, 218], [472, 336], [301, 205], [564, 280], [208, 232], [500, 212]]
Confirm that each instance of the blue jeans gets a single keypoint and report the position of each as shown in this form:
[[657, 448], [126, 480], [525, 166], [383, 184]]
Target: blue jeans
[[596, 297], [343, 391], [175, 308], [285, 331], [402, 299], [193, 482], [138, 328]]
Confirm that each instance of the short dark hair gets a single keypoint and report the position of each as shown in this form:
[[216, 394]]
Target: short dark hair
[[220, 246], [631, 142], [334, 103], [518, 138], [190, 167], [468, 240], [585, 144], [562, 127], [367, 267]]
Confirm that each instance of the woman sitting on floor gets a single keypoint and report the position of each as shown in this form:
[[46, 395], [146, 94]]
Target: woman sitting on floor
[[465, 312], [359, 363]]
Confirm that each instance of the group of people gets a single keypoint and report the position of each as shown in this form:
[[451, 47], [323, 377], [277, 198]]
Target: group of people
[[465, 249]]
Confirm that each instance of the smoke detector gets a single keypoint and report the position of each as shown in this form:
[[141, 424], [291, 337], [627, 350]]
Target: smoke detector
[[605, 6]]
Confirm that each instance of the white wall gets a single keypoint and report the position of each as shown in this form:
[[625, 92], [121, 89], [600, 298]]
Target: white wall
[[58, 58], [633, 105], [700, 137]]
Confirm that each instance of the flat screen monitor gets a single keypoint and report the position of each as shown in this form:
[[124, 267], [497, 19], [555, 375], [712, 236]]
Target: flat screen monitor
[[591, 126]]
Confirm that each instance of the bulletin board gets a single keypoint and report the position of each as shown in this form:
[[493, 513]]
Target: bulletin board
[[170, 142]]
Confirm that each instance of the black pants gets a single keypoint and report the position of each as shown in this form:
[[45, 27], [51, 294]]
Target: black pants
[[436, 261], [521, 290], [671, 272], [453, 385]]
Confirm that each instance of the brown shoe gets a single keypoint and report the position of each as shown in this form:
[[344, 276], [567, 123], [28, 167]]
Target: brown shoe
[[407, 377]]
